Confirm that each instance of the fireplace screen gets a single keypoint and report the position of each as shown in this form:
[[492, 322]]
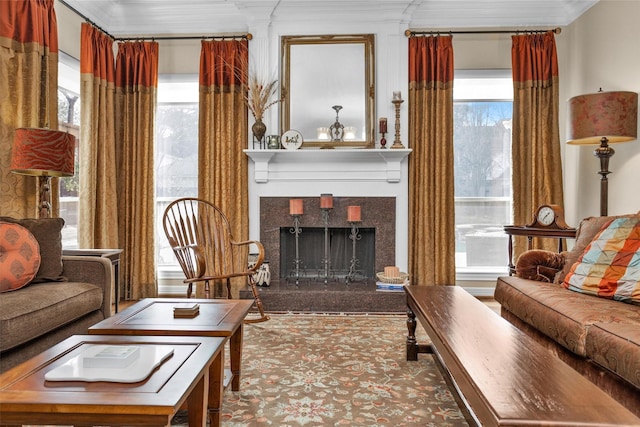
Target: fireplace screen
[[311, 253]]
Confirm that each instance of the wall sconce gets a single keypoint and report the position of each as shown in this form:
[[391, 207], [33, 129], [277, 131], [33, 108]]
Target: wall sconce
[[43, 153], [603, 118], [336, 130]]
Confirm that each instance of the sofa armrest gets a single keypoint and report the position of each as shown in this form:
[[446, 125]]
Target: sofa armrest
[[94, 270], [540, 265]]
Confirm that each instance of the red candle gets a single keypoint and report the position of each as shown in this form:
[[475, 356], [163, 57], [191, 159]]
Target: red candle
[[353, 214], [295, 207], [326, 201], [383, 125]]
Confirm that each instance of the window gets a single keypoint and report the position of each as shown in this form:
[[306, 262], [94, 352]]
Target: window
[[176, 152], [69, 121], [483, 106]]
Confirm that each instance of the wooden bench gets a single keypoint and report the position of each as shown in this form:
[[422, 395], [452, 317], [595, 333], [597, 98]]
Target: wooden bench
[[503, 377]]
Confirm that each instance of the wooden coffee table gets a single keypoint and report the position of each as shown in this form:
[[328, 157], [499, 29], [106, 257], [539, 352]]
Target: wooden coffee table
[[154, 316], [185, 377]]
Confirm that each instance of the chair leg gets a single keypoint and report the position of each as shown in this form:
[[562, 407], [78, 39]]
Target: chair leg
[[189, 290], [256, 295]]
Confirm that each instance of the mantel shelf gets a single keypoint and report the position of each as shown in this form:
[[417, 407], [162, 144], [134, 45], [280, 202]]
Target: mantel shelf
[[384, 162]]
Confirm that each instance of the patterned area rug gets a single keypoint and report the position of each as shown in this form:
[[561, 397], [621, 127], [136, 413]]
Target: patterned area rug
[[340, 370]]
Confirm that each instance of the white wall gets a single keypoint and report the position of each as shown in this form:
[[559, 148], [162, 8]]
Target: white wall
[[605, 53]]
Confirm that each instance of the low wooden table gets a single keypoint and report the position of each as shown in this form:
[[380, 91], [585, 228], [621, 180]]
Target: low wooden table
[[193, 374], [503, 377], [154, 316]]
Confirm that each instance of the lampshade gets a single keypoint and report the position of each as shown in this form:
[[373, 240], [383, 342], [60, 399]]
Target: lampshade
[[43, 152], [612, 115]]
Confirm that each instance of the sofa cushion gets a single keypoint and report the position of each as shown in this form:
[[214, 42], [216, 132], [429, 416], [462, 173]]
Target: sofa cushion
[[609, 267], [19, 256], [560, 314], [616, 346], [48, 233], [39, 308]]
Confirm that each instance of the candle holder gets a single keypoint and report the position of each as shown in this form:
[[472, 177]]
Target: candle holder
[[354, 236], [383, 141], [396, 142], [326, 261], [296, 230]]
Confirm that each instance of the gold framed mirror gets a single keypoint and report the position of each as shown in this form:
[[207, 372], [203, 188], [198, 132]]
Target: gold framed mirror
[[328, 89]]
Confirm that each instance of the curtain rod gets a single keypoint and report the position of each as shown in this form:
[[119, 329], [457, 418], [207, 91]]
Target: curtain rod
[[411, 33], [247, 36]]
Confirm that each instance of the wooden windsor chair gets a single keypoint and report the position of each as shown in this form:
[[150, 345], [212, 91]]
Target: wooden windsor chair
[[201, 239]]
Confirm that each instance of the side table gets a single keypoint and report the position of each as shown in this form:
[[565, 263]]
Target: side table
[[531, 232], [111, 254]]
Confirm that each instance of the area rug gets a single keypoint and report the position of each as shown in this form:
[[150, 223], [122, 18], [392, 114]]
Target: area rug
[[335, 370]]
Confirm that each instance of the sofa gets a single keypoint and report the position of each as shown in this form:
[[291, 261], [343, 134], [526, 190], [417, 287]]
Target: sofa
[[45, 297], [584, 304]]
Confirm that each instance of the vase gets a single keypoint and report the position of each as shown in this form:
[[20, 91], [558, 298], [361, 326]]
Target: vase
[[259, 129]]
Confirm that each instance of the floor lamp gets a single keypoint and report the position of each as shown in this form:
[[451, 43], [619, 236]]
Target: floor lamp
[[44, 153], [603, 118]]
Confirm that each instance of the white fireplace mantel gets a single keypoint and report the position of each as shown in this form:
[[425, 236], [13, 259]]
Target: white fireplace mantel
[[326, 164]]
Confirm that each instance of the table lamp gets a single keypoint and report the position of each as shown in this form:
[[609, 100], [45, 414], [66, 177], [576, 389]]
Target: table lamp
[[603, 118], [43, 153]]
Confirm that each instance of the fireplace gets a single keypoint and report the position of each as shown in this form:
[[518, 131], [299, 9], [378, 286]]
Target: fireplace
[[374, 250]]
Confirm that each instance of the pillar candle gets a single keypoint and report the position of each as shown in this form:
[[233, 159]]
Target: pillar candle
[[392, 271], [326, 201], [353, 214], [295, 207], [383, 125], [397, 96]]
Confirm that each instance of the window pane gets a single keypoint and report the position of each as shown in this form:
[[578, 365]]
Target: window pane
[[176, 152], [482, 168]]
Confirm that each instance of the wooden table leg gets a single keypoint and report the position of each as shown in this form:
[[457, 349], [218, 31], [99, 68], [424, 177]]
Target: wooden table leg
[[412, 344], [216, 389], [197, 402], [235, 357]]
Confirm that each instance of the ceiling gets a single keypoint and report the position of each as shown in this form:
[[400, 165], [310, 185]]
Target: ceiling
[[204, 17]]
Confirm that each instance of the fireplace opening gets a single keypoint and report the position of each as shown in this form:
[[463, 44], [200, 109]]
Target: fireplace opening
[[311, 253]]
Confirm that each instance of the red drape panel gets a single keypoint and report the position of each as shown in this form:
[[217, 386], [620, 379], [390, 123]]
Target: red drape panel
[[28, 88], [537, 165], [431, 197], [136, 97]]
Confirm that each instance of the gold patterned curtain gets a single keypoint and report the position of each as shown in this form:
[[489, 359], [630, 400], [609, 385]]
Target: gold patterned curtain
[[98, 214], [431, 179], [537, 166], [136, 98], [28, 93]]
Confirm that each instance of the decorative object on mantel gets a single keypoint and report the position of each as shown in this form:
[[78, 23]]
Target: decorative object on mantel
[[273, 142], [603, 118], [258, 98], [397, 100], [43, 153], [326, 204], [353, 218], [296, 210], [292, 139], [383, 131], [336, 130]]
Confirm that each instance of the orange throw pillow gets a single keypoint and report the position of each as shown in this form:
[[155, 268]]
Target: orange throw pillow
[[19, 256]]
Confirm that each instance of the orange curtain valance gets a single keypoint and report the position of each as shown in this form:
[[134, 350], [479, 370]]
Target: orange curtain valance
[[96, 56], [137, 64], [30, 21], [534, 59], [223, 63], [424, 71]]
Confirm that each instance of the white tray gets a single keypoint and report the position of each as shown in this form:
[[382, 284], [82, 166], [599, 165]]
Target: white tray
[[150, 357]]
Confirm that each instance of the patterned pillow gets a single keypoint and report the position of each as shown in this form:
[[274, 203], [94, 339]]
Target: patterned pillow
[[48, 233], [19, 256], [610, 265]]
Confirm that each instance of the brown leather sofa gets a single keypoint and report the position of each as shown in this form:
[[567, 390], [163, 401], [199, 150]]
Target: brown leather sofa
[[598, 337]]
